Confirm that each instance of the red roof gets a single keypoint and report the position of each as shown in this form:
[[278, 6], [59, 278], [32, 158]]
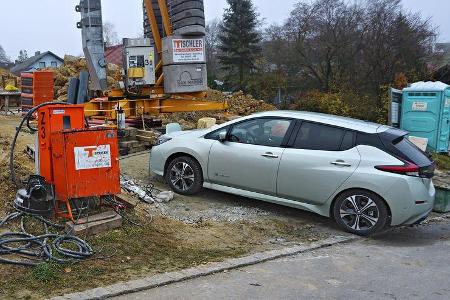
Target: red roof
[[113, 55]]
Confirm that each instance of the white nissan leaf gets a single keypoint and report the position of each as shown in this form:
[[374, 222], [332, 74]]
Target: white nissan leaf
[[364, 175]]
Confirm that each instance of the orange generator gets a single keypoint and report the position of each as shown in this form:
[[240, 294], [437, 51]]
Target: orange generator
[[78, 162]]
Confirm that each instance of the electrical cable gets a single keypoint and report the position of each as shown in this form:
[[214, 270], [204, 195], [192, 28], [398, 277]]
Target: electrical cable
[[26, 118], [46, 247]]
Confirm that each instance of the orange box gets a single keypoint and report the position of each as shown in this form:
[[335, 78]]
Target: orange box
[[37, 87], [55, 118], [85, 163]]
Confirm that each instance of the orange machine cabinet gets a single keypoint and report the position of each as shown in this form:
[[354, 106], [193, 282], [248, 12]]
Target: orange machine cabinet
[[55, 118], [37, 88], [85, 163]]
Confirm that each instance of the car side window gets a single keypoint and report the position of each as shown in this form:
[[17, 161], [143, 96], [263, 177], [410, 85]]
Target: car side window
[[262, 131], [348, 142], [215, 134], [312, 136], [369, 140]]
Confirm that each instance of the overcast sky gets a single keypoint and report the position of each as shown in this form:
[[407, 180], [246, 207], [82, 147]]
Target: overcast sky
[[50, 24]]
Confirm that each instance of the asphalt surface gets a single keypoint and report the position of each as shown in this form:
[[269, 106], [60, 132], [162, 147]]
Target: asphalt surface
[[405, 263]]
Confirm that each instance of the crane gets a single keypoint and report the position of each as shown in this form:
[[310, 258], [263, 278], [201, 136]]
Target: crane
[[164, 72]]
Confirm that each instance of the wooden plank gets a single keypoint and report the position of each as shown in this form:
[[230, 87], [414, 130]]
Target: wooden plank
[[95, 224], [148, 139], [127, 200], [129, 144]]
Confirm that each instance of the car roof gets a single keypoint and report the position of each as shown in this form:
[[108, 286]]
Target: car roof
[[349, 123]]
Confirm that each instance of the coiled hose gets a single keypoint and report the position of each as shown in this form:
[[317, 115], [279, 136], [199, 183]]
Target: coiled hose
[[25, 249]]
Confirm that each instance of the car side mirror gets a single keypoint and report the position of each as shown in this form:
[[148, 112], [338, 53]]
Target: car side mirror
[[222, 136]]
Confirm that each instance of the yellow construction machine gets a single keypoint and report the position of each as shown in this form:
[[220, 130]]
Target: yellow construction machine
[[165, 72]]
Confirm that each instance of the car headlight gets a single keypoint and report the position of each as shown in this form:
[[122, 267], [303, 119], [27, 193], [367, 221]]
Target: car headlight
[[161, 140]]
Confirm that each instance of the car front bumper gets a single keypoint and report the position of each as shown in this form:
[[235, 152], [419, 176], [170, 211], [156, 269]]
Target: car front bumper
[[157, 161]]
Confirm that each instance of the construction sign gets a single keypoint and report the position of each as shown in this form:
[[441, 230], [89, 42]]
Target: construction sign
[[188, 50]]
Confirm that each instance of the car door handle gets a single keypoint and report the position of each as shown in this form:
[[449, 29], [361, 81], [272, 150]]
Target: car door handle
[[341, 164], [269, 155]]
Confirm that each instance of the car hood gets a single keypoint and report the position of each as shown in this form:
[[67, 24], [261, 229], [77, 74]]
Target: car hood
[[188, 133]]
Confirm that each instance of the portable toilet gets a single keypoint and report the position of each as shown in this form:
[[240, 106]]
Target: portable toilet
[[425, 113]]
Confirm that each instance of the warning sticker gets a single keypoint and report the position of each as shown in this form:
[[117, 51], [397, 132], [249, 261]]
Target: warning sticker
[[447, 102], [420, 106], [92, 157], [188, 50]]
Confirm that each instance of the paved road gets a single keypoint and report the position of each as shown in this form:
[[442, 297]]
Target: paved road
[[409, 263]]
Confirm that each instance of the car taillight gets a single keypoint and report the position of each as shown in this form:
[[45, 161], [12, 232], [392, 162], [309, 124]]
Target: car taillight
[[407, 168]]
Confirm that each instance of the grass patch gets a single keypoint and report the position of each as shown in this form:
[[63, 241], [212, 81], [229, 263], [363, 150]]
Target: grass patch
[[442, 161], [131, 252], [122, 255], [45, 272]]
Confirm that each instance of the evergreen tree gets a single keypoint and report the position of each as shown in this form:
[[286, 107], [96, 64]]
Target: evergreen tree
[[239, 42]]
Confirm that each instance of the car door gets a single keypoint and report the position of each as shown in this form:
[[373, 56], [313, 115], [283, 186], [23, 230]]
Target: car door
[[321, 158], [250, 155]]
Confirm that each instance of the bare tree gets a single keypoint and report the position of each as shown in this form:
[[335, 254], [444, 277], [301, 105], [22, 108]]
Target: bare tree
[[212, 47], [4, 59], [23, 56], [110, 35], [334, 45]]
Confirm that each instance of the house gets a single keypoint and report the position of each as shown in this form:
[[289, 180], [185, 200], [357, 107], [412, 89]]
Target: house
[[114, 55], [443, 74], [442, 48], [38, 61], [6, 65]]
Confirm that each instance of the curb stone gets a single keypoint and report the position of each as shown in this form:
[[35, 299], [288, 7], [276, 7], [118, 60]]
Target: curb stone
[[159, 280]]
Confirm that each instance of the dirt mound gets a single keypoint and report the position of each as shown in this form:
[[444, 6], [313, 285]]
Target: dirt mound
[[23, 167], [71, 68], [10, 78], [239, 105]]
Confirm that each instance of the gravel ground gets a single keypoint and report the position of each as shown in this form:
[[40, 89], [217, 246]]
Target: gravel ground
[[217, 207]]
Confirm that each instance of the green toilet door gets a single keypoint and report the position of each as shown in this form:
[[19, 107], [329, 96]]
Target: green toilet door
[[444, 130]]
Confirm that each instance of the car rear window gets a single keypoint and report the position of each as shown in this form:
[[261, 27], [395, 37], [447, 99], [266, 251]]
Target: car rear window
[[410, 151]]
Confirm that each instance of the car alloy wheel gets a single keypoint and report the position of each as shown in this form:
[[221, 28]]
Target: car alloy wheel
[[359, 212], [182, 176]]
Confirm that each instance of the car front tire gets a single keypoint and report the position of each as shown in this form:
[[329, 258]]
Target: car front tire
[[184, 176], [360, 212]]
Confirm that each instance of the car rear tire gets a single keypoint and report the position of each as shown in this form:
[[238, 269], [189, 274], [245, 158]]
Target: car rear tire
[[184, 176], [360, 212]]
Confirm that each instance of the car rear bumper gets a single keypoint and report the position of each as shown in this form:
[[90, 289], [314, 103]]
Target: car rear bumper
[[418, 219], [410, 200]]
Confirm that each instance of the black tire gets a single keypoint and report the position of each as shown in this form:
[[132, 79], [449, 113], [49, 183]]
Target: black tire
[[370, 216], [187, 182]]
